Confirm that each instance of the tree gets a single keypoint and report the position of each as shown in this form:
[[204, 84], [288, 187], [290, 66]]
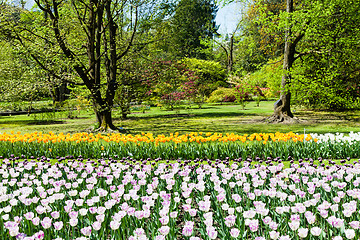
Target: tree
[[92, 36], [19, 79], [193, 21], [131, 87], [327, 73], [282, 111], [313, 29]]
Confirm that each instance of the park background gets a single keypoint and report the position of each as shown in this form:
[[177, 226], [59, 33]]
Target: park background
[[180, 66]]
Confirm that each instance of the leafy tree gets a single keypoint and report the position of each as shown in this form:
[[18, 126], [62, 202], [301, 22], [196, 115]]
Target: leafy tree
[[40, 56], [189, 79], [327, 72], [170, 82], [92, 37], [193, 21], [131, 87], [243, 93], [269, 76], [222, 95], [250, 46], [308, 34], [20, 80]]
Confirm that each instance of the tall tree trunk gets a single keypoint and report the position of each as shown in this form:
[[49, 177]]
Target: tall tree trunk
[[282, 110], [230, 57]]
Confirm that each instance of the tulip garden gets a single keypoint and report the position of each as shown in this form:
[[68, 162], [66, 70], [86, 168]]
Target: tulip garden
[[114, 186]]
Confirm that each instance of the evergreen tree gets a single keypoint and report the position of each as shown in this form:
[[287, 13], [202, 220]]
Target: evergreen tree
[[193, 21]]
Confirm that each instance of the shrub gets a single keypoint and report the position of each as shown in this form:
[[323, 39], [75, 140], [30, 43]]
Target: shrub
[[243, 93], [222, 95], [211, 74]]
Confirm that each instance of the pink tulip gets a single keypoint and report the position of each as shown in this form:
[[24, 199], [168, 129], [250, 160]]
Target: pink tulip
[[274, 235], [188, 228], [139, 232], [212, 233], [86, 231], [254, 225], [349, 233], [55, 215], [164, 220], [73, 222], [114, 225], [234, 232], [164, 230], [355, 224], [58, 225], [35, 221], [97, 225], [39, 235], [230, 220], [29, 215], [303, 232], [315, 231], [73, 214]]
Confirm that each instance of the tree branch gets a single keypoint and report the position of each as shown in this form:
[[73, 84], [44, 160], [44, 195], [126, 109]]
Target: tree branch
[[132, 36]]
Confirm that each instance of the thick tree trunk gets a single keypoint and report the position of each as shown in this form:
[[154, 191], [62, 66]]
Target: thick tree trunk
[[282, 110], [104, 119], [60, 93]]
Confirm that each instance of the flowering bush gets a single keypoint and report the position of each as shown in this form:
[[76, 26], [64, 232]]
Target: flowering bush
[[243, 93], [136, 200], [173, 82]]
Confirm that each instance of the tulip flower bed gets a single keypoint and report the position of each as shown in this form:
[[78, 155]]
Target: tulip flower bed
[[187, 146], [185, 200]]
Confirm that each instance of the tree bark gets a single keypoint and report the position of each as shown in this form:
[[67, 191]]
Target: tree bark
[[104, 119], [230, 57], [282, 109]]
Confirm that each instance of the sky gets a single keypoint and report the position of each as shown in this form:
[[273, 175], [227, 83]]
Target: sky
[[227, 17]]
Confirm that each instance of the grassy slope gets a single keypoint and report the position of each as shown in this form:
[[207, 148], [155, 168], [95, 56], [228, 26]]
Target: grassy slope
[[212, 118]]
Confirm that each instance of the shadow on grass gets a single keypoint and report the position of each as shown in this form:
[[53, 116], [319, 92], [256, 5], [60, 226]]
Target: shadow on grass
[[32, 122], [193, 115]]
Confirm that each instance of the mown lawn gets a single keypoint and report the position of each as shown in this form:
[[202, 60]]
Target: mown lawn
[[211, 118]]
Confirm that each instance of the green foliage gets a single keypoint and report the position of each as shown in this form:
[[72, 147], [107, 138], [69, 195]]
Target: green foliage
[[19, 79], [243, 93], [327, 75], [208, 71], [74, 106], [193, 20], [269, 76], [325, 36], [75, 38], [130, 86], [170, 82], [211, 74], [222, 95]]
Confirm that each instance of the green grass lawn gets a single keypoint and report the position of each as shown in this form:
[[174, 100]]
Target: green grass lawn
[[211, 118]]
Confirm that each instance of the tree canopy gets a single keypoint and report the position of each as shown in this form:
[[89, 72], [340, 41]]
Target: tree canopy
[[193, 21]]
